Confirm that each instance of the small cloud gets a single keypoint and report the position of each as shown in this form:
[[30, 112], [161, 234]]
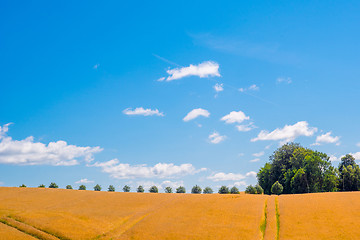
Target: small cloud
[[219, 87], [84, 181], [333, 158], [286, 80], [356, 155], [96, 66], [240, 183], [288, 133], [255, 160], [268, 146], [161, 79], [245, 127], [259, 154], [326, 138], [251, 174], [216, 138], [196, 113], [358, 144], [221, 176], [252, 87], [202, 70], [235, 117], [143, 112]]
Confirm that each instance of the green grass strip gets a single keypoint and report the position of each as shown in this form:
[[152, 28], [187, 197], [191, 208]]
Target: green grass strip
[[264, 221], [277, 218]]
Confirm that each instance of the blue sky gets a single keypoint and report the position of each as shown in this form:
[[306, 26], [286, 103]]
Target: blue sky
[[172, 93]]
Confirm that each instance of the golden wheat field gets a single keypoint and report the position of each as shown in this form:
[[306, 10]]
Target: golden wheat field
[[35, 213]]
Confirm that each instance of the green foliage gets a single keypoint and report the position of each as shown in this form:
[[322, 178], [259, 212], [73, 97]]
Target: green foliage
[[277, 188], [53, 185], [250, 189], [224, 190], [97, 187], [234, 190], [69, 187], [140, 189], [154, 189], [168, 190], [126, 188], [181, 189], [196, 189], [22, 185], [111, 188], [259, 189], [208, 190], [298, 170], [349, 174], [82, 187], [41, 186]]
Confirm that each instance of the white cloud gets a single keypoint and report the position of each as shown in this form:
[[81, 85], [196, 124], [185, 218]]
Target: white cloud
[[356, 155], [333, 158], [216, 138], [288, 133], [202, 70], [28, 152], [259, 154], [240, 183], [327, 138], [255, 160], [358, 144], [246, 127], [286, 80], [219, 87], [161, 79], [252, 87], [161, 170], [143, 112], [84, 181], [196, 113], [172, 184], [235, 117], [217, 177]]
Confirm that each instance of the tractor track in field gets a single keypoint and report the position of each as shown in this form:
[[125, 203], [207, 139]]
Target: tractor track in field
[[270, 225]]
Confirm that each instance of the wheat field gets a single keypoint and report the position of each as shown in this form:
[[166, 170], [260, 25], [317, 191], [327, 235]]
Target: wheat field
[[36, 213]]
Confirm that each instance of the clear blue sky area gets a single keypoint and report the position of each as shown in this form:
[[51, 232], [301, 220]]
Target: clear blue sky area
[[173, 92]]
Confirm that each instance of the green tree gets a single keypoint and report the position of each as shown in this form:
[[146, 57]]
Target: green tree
[[53, 185], [154, 189], [126, 188], [82, 187], [140, 189], [97, 187], [181, 189], [224, 190], [299, 183], [277, 188], [250, 189], [349, 174], [196, 189], [234, 190], [41, 186], [208, 190], [22, 185], [259, 189], [69, 187], [168, 190], [111, 188]]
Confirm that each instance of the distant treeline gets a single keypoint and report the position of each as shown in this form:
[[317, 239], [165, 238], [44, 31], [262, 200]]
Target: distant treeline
[[154, 189], [295, 169]]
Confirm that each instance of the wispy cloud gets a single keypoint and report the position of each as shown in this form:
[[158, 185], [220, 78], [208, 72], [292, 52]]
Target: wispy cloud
[[286, 80], [288, 133], [202, 70], [219, 87], [29, 152], [84, 181], [216, 138], [245, 127], [221, 176], [196, 113], [143, 112], [255, 160], [259, 154], [161, 170], [253, 87]]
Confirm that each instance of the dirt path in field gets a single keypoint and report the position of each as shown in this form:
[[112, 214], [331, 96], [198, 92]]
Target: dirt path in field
[[271, 229], [27, 229]]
